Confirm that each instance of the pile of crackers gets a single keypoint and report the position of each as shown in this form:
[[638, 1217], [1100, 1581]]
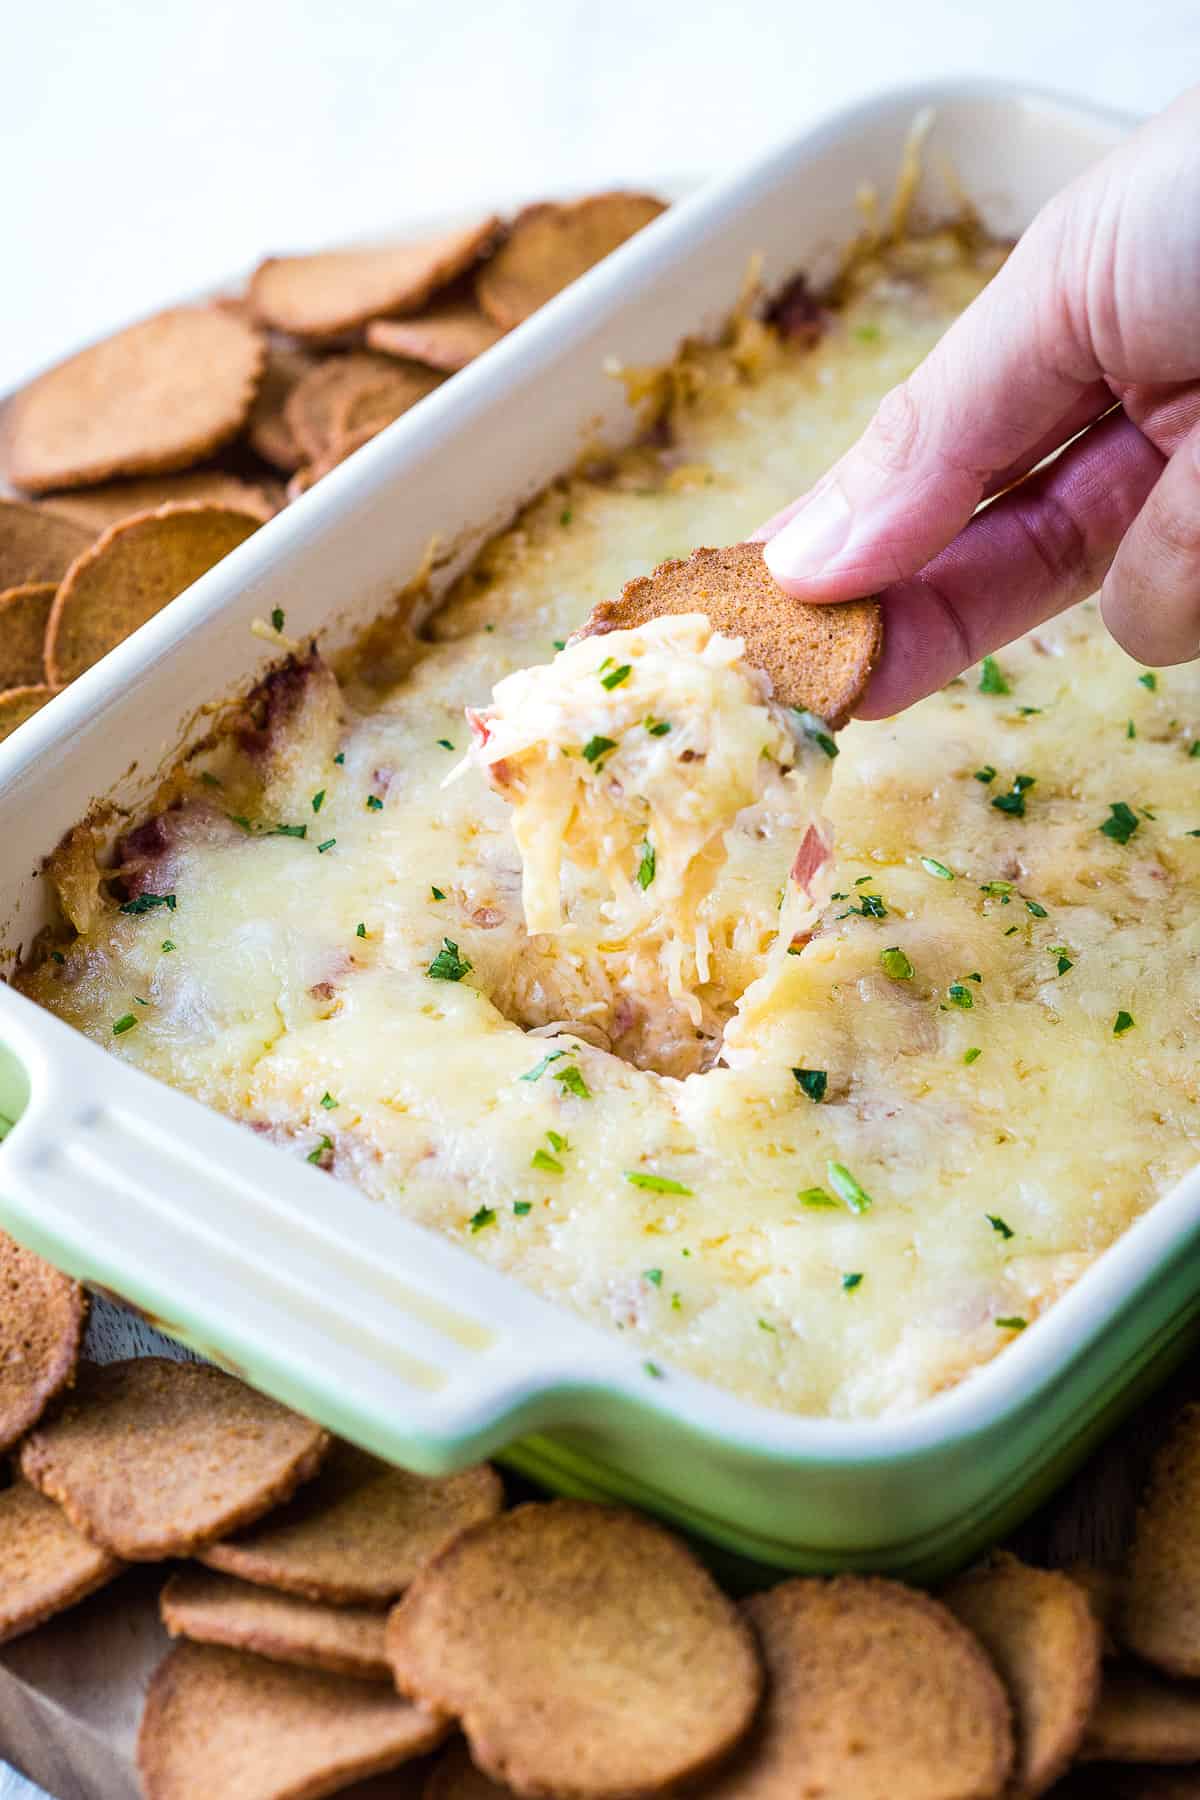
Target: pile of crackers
[[136, 465], [344, 1626]]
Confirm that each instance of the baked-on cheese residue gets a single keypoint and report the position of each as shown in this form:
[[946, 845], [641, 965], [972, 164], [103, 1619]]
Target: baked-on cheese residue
[[874, 1159], [632, 756]]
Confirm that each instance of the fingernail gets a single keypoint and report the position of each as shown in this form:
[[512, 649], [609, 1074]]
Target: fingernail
[[807, 542]]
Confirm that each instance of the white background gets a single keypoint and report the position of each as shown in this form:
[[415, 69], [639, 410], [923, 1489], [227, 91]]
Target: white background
[[150, 147]]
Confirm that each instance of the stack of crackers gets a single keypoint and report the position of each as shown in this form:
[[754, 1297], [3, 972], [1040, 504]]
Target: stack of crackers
[[136, 465], [347, 1627]]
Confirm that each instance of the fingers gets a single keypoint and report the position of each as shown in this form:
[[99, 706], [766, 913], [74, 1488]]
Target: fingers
[[1001, 382], [1151, 597], [1025, 557]]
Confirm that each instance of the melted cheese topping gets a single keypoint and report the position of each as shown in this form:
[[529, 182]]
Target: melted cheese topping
[[290, 984], [633, 756]]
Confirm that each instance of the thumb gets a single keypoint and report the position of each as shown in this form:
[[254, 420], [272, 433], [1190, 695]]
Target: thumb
[[1011, 376]]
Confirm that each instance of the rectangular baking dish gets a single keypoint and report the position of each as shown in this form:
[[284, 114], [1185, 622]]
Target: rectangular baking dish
[[383, 1331]]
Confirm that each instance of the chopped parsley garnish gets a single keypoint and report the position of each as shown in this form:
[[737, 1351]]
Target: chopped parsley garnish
[[556, 1141], [998, 1225], [1014, 1323], [318, 800], [168, 945], [296, 831], [1122, 1023], [615, 677], [448, 965], [328, 1101], [340, 758], [870, 906], [58, 957], [847, 1188], [536, 1074], [1121, 823], [960, 996], [813, 1081], [209, 779], [138, 1001], [815, 1196], [867, 334], [1195, 749], [896, 964], [986, 774], [996, 890], [125, 1023], [933, 867], [1013, 802], [374, 803], [1027, 712], [991, 677], [645, 874], [657, 727], [1064, 961], [851, 1281], [436, 893], [542, 1159], [314, 1156], [656, 1184], [765, 1325], [1130, 729], [521, 1207], [445, 744], [654, 1276], [653, 1369], [597, 747], [147, 902], [564, 517], [1038, 911], [815, 729], [972, 1055], [327, 845], [360, 930], [1148, 680], [559, 643], [277, 617], [572, 1080], [478, 1220]]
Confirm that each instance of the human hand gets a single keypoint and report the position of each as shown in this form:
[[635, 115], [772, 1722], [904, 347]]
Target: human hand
[[1092, 326]]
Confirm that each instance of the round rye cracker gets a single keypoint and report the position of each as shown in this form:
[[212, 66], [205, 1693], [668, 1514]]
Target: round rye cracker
[[24, 612], [1162, 1609], [874, 1692], [129, 574], [819, 658], [224, 1724], [447, 336], [36, 544], [376, 404], [99, 507], [267, 430], [455, 1777], [45, 1564], [358, 1533], [1143, 1717], [19, 704], [216, 1609], [552, 244], [586, 1652], [41, 1328], [315, 408], [1045, 1642], [152, 1457], [334, 291], [159, 395]]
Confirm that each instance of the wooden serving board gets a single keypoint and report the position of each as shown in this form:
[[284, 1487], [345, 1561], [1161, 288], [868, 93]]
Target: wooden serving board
[[71, 1692]]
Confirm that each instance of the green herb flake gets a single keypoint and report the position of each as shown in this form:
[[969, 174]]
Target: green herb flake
[[480, 1220], [1013, 1323], [125, 1023], [542, 1159], [850, 1282], [522, 1207], [998, 1225], [996, 890], [572, 1080], [277, 617], [557, 1141], [597, 747], [991, 677], [816, 1197], [765, 1325], [327, 845], [1149, 680], [209, 779], [318, 800], [436, 893], [559, 643], [656, 1184], [870, 906], [328, 1101], [937, 869], [148, 902], [813, 1082], [645, 873], [1122, 1023], [615, 677], [817, 732], [657, 727], [960, 996], [1064, 962], [292, 831], [1195, 749], [1130, 729], [445, 744], [1038, 911], [374, 803], [867, 334], [1027, 712], [972, 1055], [564, 517], [847, 1188], [1121, 823], [986, 774], [896, 964], [340, 758], [360, 930], [654, 1276], [168, 946], [652, 1369], [58, 957], [314, 1156], [536, 1074], [448, 965], [676, 1302]]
